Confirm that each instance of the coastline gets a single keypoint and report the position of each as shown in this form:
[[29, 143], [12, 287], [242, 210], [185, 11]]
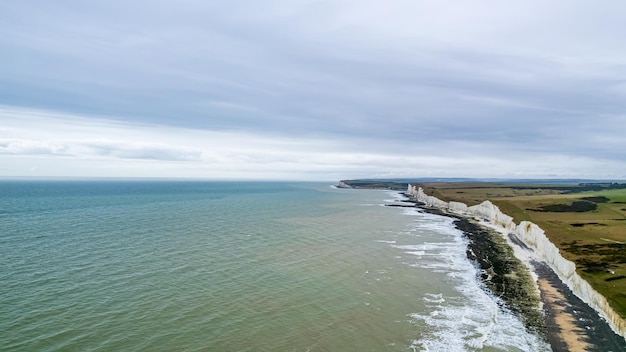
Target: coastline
[[567, 323], [502, 273]]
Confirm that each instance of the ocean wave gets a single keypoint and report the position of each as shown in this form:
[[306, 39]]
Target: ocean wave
[[468, 318]]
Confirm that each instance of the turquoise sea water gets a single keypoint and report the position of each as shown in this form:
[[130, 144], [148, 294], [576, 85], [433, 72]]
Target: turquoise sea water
[[236, 266]]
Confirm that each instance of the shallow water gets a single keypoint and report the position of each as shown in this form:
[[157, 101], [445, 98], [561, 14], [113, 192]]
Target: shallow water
[[227, 266]]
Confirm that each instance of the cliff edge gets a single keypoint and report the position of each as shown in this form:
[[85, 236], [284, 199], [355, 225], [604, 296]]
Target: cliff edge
[[534, 238]]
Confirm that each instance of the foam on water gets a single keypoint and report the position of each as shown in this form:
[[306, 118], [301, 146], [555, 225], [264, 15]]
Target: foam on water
[[468, 318]]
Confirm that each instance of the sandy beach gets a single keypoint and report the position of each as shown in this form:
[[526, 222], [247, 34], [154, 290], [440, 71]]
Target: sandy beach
[[565, 334], [572, 325]]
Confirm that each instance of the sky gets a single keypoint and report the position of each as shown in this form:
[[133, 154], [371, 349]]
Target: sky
[[313, 90]]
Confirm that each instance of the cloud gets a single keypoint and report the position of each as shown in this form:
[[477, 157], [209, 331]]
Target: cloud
[[57, 144], [16, 146], [110, 148], [31, 147], [244, 82], [147, 151]]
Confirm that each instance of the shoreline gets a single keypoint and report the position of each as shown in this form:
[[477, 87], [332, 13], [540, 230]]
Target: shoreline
[[573, 325], [501, 273], [567, 323]]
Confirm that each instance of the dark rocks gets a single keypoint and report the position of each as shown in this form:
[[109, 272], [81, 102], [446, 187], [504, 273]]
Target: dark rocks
[[503, 274]]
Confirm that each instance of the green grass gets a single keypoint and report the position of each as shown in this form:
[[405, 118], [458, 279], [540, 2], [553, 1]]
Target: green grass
[[615, 195]]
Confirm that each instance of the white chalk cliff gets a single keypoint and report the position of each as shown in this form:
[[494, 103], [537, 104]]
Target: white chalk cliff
[[534, 237]]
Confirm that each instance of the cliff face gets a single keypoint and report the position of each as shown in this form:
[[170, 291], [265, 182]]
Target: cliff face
[[418, 193], [492, 213], [533, 237]]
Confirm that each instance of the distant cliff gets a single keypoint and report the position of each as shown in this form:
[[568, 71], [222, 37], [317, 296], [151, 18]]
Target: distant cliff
[[534, 237], [373, 184]]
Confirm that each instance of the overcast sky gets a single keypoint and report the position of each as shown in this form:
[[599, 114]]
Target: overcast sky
[[313, 90]]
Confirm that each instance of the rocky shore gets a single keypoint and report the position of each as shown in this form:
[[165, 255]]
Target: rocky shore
[[545, 304], [505, 276]]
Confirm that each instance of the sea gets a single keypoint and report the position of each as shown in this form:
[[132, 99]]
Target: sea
[[114, 265]]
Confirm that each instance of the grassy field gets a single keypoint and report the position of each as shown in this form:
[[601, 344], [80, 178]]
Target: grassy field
[[588, 226]]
